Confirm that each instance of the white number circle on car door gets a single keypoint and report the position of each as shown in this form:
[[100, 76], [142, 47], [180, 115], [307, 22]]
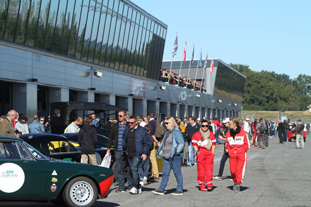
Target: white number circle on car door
[[12, 177]]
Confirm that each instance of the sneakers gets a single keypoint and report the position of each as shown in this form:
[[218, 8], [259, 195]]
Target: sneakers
[[158, 192], [217, 177], [209, 189], [120, 190], [178, 193], [145, 181], [134, 191], [203, 187], [236, 188]]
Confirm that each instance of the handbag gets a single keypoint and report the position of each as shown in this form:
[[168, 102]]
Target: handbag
[[106, 161]]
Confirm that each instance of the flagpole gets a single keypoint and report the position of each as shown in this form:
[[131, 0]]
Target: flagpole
[[185, 49], [196, 72], [190, 63], [174, 51], [179, 72], [202, 80], [171, 65], [204, 69]]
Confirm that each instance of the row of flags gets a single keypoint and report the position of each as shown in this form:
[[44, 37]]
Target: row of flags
[[192, 57]]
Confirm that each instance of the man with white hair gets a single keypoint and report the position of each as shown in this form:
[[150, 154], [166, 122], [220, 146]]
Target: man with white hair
[[6, 127]]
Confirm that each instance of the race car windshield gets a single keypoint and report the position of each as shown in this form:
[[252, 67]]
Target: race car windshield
[[38, 155]]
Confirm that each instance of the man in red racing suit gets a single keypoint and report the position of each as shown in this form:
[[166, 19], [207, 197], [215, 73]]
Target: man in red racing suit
[[204, 143], [237, 144]]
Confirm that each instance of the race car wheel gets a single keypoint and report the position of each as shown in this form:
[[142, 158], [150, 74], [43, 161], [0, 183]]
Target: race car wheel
[[80, 192]]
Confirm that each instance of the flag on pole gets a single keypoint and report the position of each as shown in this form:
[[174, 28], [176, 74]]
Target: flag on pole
[[175, 46], [212, 66], [185, 50], [205, 62], [200, 59], [192, 55]]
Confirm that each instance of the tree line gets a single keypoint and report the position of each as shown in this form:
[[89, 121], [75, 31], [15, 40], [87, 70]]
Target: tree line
[[269, 91]]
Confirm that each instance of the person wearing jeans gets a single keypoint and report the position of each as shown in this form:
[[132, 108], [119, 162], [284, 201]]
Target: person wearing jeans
[[171, 149], [136, 145], [191, 128], [115, 136]]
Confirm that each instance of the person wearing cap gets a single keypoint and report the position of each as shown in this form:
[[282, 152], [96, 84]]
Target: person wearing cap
[[299, 129], [225, 155]]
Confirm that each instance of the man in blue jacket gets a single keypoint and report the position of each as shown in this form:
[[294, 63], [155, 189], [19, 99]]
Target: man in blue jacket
[[136, 146], [36, 127]]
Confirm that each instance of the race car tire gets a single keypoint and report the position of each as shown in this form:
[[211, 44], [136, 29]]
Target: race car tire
[[80, 192]]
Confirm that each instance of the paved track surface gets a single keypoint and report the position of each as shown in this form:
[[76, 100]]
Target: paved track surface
[[276, 176]]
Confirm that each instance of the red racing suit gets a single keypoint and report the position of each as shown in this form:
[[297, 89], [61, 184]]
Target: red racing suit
[[237, 147], [205, 158]]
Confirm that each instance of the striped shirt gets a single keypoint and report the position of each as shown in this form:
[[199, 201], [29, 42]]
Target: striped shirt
[[120, 135]]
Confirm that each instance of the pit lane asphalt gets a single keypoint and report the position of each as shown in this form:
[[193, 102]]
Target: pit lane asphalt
[[276, 176]]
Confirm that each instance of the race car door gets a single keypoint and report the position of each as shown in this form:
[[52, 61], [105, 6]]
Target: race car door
[[21, 175]]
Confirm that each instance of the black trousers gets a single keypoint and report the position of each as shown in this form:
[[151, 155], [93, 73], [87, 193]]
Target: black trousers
[[281, 134], [223, 160]]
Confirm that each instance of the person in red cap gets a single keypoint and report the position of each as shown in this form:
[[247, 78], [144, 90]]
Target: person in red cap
[[204, 143], [237, 144]]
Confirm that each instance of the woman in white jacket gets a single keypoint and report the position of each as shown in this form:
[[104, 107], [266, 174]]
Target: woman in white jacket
[[22, 125]]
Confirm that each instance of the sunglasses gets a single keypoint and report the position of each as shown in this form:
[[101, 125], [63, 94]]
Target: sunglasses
[[120, 115], [204, 125], [41, 120], [166, 123], [131, 122]]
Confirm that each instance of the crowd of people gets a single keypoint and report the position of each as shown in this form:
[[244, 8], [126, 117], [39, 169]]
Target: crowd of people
[[181, 80], [138, 141], [260, 130], [15, 124]]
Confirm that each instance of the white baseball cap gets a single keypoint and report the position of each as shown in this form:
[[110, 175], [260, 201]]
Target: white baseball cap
[[226, 120]]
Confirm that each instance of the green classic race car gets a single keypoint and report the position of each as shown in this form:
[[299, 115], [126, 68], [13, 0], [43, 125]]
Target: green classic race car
[[26, 174]]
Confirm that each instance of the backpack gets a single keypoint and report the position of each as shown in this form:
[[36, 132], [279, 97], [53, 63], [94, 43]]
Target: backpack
[[262, 128], [300, 128], [159, 131]]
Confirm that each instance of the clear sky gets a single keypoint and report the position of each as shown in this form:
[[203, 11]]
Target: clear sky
[[271, 35]]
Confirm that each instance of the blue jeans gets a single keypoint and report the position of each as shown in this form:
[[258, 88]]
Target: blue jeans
[[133, 163], [285, 136], [191, 159], [143, 167], [119, 157], [175, 164]]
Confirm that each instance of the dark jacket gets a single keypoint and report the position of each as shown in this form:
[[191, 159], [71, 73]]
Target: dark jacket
[[191, 130], [280, 127], [87, 139], [153, 125], [141, 139], [113, 136]]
